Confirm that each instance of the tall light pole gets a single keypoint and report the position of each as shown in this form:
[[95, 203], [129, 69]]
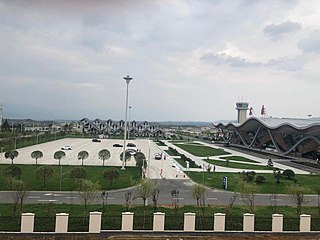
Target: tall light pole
[[128, 79], [129, 122]]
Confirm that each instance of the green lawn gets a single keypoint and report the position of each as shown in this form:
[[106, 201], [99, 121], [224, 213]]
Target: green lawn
[[215, 180], [238, 165], [239, 158], [184, 164], [127, 178], [202, 151], [171, 153]]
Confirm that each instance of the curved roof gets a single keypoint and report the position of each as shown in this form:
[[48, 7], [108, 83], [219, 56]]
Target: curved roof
[[308, 126]]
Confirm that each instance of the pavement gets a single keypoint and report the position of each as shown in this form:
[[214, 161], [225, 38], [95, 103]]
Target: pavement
[[157, 169]]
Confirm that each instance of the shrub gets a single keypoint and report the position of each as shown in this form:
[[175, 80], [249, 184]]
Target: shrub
[[260, 179], [288, 173]]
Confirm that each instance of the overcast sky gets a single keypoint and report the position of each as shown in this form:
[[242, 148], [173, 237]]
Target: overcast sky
[[190, 60]]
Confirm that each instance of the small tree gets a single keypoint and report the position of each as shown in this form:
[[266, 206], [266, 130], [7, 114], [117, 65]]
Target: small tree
[[155, 197], [227, 162], [104, 154], [111, 174], [298, 195], [209, 168], [128, 197], [11, 154], [248, 192], [83, 155], [175, 199], [288, 173], [274, 202], [11, 172], [36, 155], [78, 173], [19, 194], [144, 191], [44, 172], [58, 155], [127, 156], [260, 179], [140, 160], [231, 203], [198, 193], [277, 176], [88, 192]]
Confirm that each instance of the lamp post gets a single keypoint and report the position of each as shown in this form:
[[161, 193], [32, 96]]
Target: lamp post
[[128, 79], [129, 122]]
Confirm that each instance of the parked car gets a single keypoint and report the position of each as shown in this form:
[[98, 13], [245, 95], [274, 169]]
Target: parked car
[[117, 145], [157, 156], [131, 145], [131, 151], [96, 140], [66, 147]]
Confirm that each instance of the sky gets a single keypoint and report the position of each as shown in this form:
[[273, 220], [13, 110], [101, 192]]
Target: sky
[[190, 60]]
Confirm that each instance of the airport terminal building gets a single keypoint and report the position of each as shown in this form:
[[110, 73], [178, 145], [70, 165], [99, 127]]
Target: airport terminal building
[[281, 136]]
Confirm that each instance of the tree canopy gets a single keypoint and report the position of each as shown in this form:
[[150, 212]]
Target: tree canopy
[[58, 155], [36, 155], [104, 154]]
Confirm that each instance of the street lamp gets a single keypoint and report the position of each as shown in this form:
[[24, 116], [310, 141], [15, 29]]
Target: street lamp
[[128, 79], [129, 122]]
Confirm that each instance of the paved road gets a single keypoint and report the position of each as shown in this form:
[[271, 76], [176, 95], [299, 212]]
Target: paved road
[[213, 197]]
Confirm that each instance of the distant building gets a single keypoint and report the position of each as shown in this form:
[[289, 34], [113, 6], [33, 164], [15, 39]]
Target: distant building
[[110, 127]]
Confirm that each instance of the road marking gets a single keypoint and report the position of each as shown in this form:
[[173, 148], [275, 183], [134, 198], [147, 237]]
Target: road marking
[[34, 197], [52, 194], [276, 199], [71, 197], [181, 198], [111, 198], [212, 198], [49, 200]]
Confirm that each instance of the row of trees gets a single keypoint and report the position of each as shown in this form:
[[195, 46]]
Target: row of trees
[[104, 155]]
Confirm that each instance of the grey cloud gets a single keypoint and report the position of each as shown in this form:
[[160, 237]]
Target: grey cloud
[[276, 31], [281, 63], [229, 60], [311, 44], [287, 64]]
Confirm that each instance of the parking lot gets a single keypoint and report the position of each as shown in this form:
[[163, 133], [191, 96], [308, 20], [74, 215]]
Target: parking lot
[[157, 168]]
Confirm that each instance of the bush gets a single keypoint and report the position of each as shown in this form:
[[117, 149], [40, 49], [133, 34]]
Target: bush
[[289, 174], [260, 179]]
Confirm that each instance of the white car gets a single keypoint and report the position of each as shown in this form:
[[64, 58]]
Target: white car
[[66, 148]]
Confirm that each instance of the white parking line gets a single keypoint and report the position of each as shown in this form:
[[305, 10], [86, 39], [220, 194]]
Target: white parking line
[[71, 197], [212, 198], [34, 197], [49, 200], [52, 194]]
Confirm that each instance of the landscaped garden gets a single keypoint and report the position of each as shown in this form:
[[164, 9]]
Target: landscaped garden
[[35, 181], [201, 151], [229, 164], [183, 163], [238, 158], [270, 185]]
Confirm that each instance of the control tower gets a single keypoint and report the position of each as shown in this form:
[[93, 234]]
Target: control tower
[[242, 108]]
